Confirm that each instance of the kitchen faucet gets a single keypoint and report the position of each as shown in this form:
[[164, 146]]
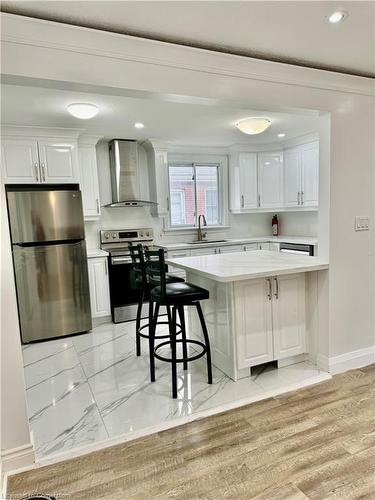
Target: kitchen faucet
[[201, 235]]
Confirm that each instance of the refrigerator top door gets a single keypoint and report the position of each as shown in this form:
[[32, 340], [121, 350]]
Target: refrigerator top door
[[48, 215]]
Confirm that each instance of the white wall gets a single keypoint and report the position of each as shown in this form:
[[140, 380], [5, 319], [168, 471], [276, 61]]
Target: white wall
[[16, 449]]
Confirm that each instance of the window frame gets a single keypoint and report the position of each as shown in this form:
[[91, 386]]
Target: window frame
[[182, 198], [219, 161]]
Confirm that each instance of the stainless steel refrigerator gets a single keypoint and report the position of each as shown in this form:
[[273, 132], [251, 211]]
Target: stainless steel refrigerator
[[50, 262]]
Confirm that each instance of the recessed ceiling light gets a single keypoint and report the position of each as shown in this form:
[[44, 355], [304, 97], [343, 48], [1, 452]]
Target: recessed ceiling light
[[281, 135], [138, 125], [337, 17], [253, 125], [83, 111]]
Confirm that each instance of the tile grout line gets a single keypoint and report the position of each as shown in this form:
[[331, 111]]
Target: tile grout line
[[91, 391]]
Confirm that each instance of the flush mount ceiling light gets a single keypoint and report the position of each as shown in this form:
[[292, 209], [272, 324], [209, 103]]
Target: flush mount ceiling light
[[83, 111], [138, 125], [281, 135], [254, 125], [337, 17]]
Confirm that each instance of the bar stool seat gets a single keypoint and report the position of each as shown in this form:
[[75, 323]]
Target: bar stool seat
[[175, 292]]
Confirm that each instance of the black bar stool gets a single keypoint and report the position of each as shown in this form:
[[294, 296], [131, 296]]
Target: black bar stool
[[176, 296], [144, 286]]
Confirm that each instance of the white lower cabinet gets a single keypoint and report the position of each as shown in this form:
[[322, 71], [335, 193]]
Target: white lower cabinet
[[270, 319], [229, 249], [264, 245], [99, 287]]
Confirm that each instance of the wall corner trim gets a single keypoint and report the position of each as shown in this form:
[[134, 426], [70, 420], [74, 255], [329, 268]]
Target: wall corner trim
[[17, 458]]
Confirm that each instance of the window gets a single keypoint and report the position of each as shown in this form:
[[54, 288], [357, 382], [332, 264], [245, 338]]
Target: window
[[194, 190]]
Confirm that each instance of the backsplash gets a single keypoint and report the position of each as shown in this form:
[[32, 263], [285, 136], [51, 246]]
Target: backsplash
[[244, 225]]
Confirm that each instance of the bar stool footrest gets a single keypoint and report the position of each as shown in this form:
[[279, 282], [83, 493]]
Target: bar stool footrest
[[181, 360], [156, 337]]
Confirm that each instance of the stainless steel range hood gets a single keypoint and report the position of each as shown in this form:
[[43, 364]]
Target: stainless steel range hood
[[125, 175]]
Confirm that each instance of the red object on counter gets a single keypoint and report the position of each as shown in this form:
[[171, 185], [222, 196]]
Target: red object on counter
[[275, 225]]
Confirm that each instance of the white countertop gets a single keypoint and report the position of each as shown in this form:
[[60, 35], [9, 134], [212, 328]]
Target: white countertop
[[248, 265], [304, 240], [96, 252]]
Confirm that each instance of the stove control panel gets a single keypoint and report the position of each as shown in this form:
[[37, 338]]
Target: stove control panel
[[126, 235]]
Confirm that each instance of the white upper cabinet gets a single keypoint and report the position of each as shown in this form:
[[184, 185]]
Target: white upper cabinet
[[310, 174], [248, 181], [157, 162], [301, 176], [88, 175], [33, 156], [292, 178], [58, 161], [20, 161], [270, 180]]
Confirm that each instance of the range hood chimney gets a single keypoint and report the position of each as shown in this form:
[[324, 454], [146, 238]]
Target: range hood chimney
[[125, 178]]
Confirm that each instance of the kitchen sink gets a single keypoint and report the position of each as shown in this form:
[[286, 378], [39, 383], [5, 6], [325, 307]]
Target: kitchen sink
[[196, 242]]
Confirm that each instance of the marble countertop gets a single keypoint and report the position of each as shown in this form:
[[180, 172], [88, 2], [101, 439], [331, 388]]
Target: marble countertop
[[305, 240], [248, 265], [96, 252]]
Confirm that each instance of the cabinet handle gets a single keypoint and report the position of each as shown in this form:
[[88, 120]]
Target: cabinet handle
[[36, 166], [97, 206], [302, 193], [269, 294], [43, 172], [242, 201], [258, 200], [167, 204], [298, 198], [277, 288], [219, 250]]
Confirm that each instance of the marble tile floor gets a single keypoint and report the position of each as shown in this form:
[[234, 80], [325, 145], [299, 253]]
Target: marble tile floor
[[88, 388]]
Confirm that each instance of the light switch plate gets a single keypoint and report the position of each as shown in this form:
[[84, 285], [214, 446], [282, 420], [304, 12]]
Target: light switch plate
[[362, 223]]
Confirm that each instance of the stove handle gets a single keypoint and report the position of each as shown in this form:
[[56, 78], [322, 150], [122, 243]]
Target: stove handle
[[116, 261]]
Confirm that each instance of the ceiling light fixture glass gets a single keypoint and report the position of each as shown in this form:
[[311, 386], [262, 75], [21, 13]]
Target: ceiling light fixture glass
[[138, 125], [281, 135], [337, 17], [253, 125], [83, 111]]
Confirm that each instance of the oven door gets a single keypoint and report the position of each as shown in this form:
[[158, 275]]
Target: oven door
[[123, 289]]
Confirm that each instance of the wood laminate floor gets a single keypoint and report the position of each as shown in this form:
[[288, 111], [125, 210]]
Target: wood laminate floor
[[314, 443]]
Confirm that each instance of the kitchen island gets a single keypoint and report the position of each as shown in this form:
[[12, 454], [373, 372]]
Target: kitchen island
[[260, 309]]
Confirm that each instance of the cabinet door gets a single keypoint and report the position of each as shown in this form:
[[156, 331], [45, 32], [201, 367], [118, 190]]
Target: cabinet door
[[270, 180], [203, 251], [253, 323], [292, 178], [58, 161], [20, 162], [89, 182], [250, 247], [288, 315], [274, 247], [248, 181], [310, 174], [177, 254], [264, 245], [99, 287], [229, 249]]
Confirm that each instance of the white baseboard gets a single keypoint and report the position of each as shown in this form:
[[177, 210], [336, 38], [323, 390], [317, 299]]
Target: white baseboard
[[17, 458], [348, 361]]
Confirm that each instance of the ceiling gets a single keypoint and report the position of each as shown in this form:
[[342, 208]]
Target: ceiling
[[179, 123], [292, 32]]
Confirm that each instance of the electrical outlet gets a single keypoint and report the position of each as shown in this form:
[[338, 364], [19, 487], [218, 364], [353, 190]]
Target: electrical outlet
[[362, 223]]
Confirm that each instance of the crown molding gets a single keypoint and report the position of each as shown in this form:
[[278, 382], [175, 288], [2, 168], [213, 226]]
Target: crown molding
[[25, 31], [35, 132]]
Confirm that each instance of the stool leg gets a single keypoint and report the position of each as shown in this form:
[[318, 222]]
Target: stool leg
[[138, 324], [207, 342], [151, 342], [174, 353], [181, 314]]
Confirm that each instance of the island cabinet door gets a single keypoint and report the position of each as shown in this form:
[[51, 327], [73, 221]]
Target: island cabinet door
[[253, 323], [288, 304]]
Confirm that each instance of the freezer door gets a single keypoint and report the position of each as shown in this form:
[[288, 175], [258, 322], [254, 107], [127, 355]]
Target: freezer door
[[39, 216], [52, 290]]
